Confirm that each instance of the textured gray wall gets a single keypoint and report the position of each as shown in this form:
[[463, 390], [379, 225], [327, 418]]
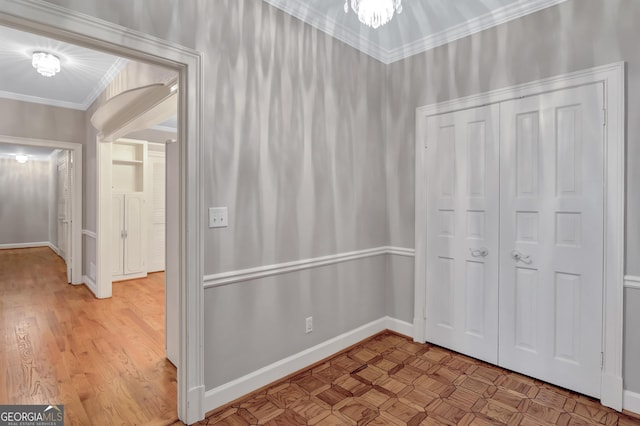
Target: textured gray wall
[[24, 201], [295, 143], [29, 120], [572, 36], [294, 146], [252, 324]]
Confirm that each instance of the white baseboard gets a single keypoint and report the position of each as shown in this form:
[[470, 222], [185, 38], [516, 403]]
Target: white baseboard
[[631, 402], [228, 392], [25, 245], [90, 284], [402, 327], [54, 248]]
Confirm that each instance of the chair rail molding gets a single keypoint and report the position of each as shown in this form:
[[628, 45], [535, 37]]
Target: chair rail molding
[[632, 281], [226, 278]]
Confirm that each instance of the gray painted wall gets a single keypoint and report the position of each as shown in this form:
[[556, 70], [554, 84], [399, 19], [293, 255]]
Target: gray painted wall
[[29, 120], [295, 144], [255, 323], [24, 206], [575, 35]]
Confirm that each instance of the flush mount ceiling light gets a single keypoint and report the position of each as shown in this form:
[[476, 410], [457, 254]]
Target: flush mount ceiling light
[[374, 13], [45, 63], [20, 158]]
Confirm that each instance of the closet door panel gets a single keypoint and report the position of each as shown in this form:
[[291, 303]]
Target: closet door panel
[[551, 265], [117, 235], [135, 241], [462, 231]]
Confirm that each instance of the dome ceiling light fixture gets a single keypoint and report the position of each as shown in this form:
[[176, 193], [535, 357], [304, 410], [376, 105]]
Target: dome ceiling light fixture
[[374, 13], [21, 158], [47, 64]]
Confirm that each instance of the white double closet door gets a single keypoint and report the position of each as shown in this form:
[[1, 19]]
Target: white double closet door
[[515, 212]]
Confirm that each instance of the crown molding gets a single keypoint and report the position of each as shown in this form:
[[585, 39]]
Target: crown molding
[[167, 129], [331, 27], [465, 29], [43, 101], [105, 81], [108, 77]]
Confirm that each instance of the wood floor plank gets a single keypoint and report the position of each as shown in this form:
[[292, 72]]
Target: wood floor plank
[[103, 359]]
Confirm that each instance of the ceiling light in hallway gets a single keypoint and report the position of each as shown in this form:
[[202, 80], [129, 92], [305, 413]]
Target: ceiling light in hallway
[[46, 64]]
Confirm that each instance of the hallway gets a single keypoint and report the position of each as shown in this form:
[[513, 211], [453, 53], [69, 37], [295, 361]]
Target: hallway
[[103, 359]]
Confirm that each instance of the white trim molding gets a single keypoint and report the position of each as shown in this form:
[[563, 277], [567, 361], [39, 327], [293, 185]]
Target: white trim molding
[[91, 285], [27, 245], [53, 21], [631, 402], [228, 392], [226, 278], [359, 40], [89, 234], [613, 79], [632, 281]]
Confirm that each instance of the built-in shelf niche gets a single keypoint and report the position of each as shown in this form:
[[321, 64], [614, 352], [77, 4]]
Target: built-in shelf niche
[[128, 158]]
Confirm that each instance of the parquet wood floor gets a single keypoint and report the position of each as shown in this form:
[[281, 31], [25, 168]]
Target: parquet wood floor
[[390, 380], [103, 359]]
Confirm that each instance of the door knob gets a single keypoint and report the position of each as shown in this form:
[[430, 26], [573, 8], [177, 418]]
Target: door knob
[[519, 257], [481, 252]]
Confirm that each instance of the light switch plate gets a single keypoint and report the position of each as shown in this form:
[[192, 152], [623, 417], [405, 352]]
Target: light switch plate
[[218, 217]]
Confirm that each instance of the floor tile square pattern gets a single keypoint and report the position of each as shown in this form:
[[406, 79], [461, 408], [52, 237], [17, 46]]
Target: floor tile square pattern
[[390, 380]]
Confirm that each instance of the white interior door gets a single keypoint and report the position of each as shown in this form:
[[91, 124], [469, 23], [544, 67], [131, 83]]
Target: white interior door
[[551, 264], [64, 210], [117, 235], [156, 247], [134, 235], [462, 231], [172, 273]]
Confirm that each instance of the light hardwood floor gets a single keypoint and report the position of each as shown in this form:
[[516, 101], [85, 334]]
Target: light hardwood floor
[[103, 359]]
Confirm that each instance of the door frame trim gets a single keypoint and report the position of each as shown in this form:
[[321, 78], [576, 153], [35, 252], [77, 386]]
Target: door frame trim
[[76, 189], [613, 78], [68, 25]]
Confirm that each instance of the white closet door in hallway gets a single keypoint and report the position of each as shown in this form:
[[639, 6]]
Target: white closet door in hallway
[[515, 223], [552, 224], [462, 229]]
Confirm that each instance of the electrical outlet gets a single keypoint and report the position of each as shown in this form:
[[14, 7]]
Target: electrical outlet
[[308, 325], [218, 217]]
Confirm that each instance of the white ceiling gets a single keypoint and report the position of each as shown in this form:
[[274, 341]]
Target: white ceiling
[[85, 73], [423, 24], [34, 152]]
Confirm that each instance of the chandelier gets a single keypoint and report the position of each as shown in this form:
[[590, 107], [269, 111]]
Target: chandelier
[[374, 13], [46, 63]]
